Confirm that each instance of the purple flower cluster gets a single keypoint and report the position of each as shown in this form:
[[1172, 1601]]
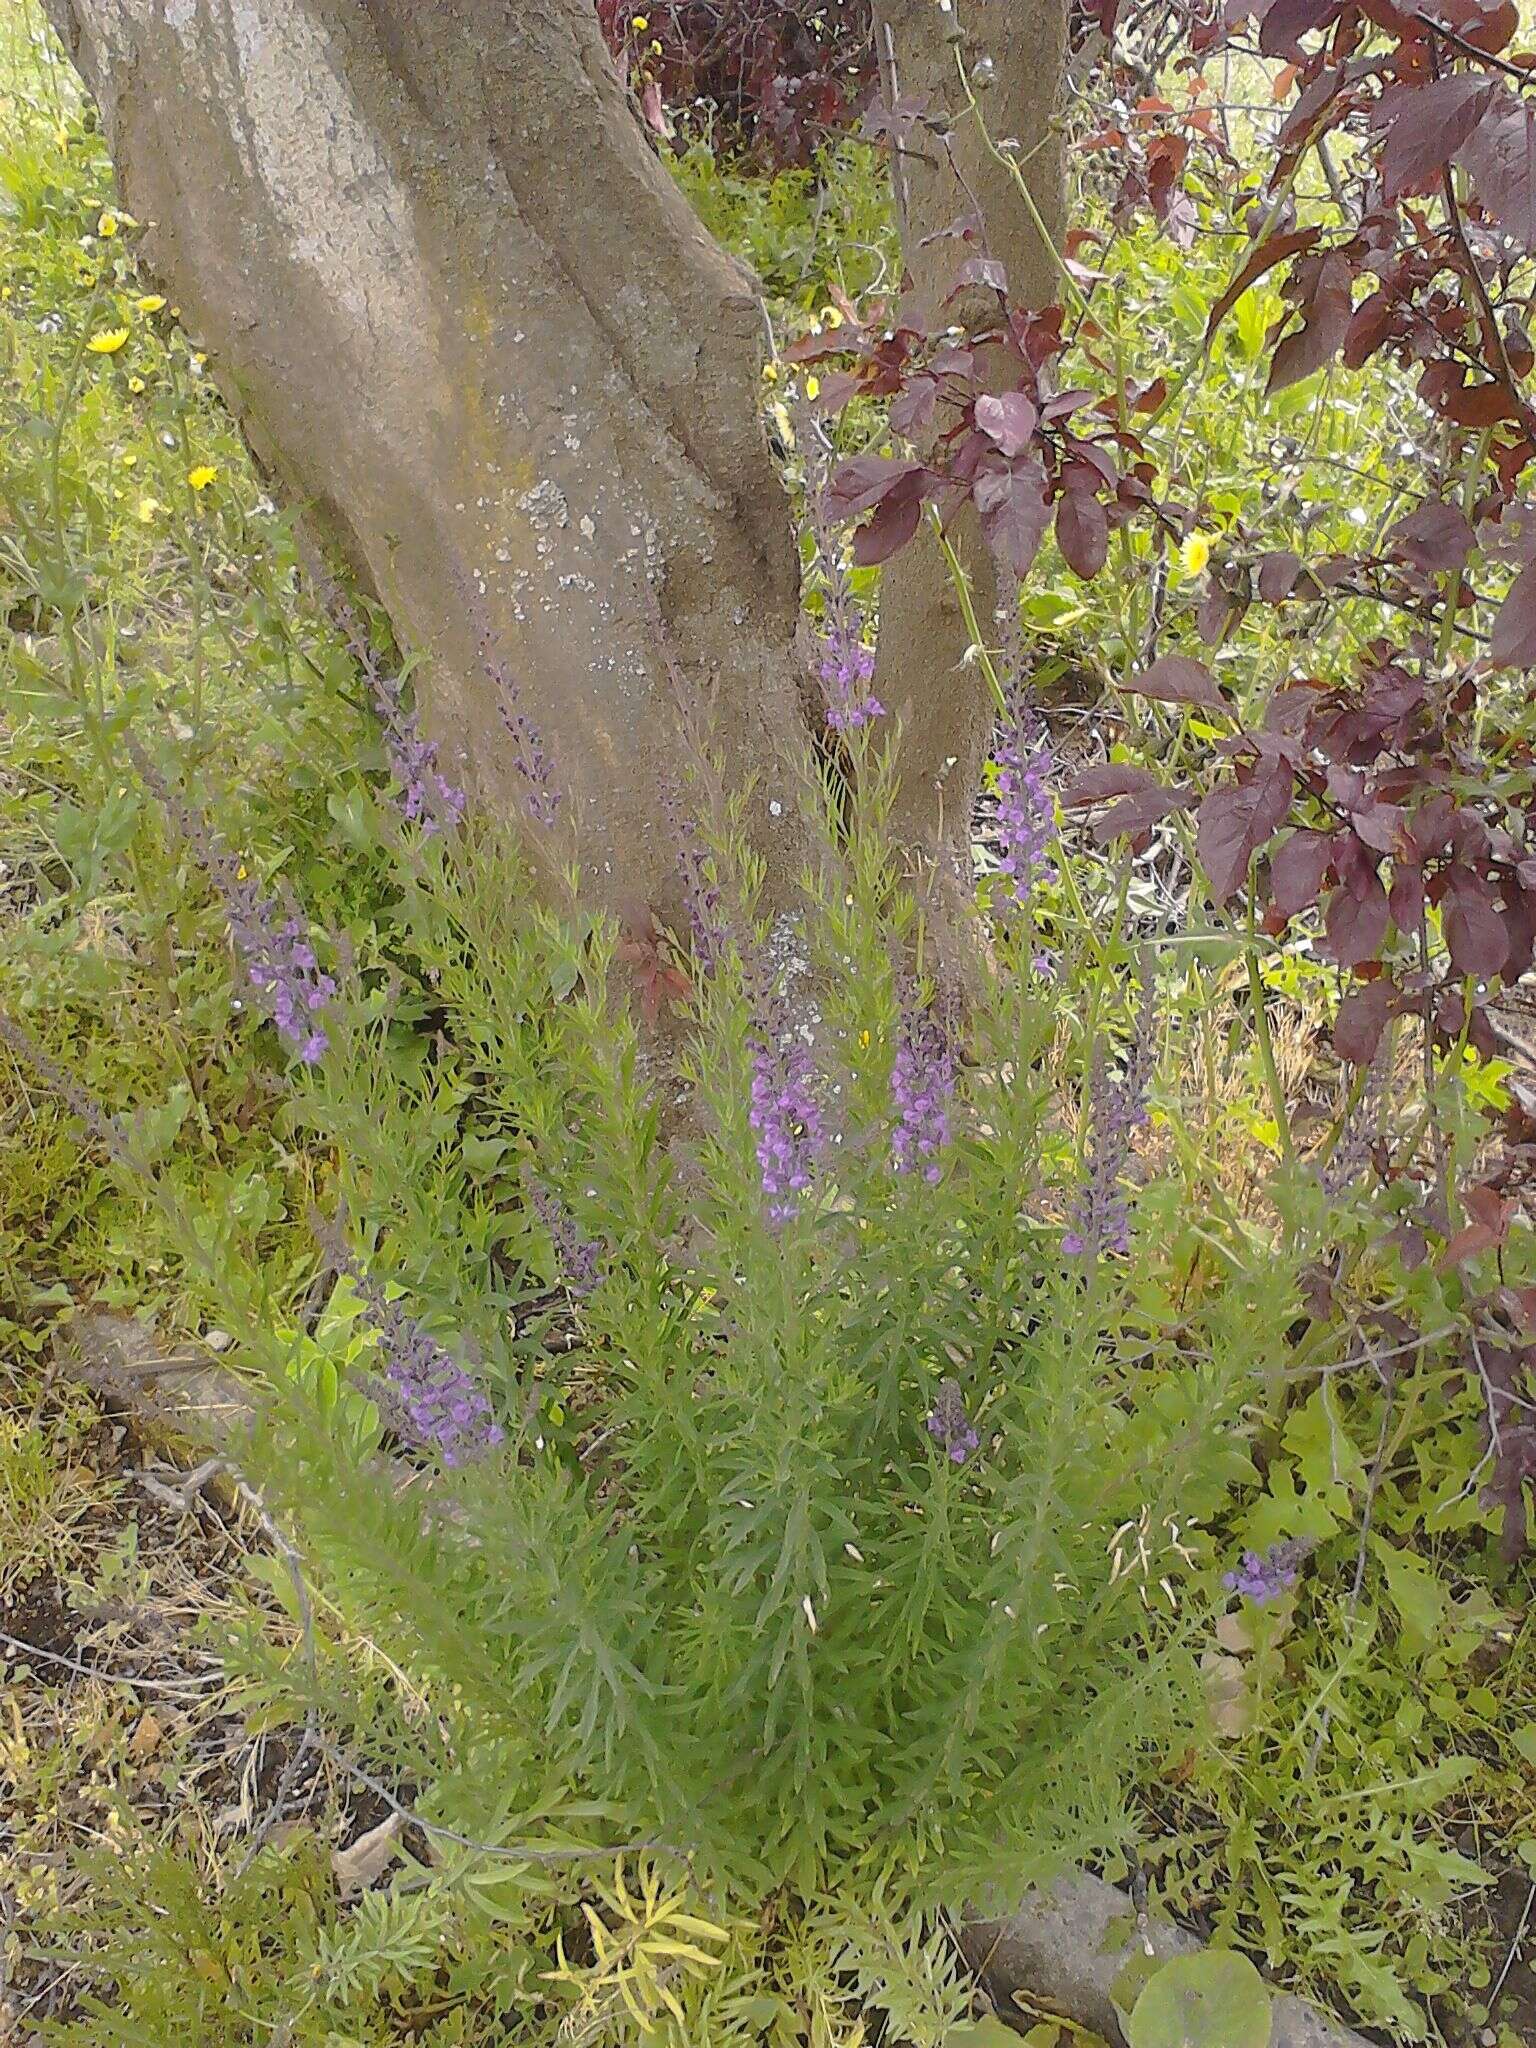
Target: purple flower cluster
[[949, 1425], [845, 664], [1025, 807], [1117, 1110], [530, 756], [1264, 1575], [701, 891], [429, 1396], [427, 798], [576, 1253], [847, 670], [271, 939], [785, 1118], [922, 1083]]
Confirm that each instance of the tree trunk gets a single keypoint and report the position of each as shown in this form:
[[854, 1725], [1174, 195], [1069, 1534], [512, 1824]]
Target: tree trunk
[[468, 321], [947, 707]]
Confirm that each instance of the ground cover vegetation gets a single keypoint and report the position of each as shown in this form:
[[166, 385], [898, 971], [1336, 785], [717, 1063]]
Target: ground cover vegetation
[[765, 1432]]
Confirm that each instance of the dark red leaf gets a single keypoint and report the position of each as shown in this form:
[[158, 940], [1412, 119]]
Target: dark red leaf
[[1514, 630], [1474, 931], [1235, 821], [1500, 162], [1296, 870], [1425, 125], [1264, 258], [1361, 1020], [1324, 325], [1082, 532], [895, 521], [1356, 922], [1433, 537], [1110, 778], [1009, 419], [1287, 21], [1176, 679], [1277, 575], [1014, 513], [864, 481], [1138, 813]]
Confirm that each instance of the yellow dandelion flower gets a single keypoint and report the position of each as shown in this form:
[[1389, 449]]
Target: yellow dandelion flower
[[770, 373], [812, 387], [136, 385], [864, 1041], [1194, 552], [148, 508], [831, 316], [107, 225], [108, 342], [201, 477], [129, 457], [640, 22], [150, 303], [655, 49]]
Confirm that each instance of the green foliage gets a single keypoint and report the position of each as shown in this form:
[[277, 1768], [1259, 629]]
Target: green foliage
[[1210, 2000]]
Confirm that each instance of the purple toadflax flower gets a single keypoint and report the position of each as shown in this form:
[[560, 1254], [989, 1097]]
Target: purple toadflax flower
[[1117, 1110], [1025, 805], [785, 1118], [1264, 1575], [271, 938], [846, 666], [949, 1425], [426, 796], [701, 889], [530, 757], [922, 1083], [576, 1253], [428, 1396]]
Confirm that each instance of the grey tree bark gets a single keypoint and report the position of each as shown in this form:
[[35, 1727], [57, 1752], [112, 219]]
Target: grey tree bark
[[946, 706], [467, 320]]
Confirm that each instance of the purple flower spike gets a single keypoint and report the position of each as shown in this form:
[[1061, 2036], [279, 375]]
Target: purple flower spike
[[271, 939], [786, 1120], [530, 757], [576, 1253], [846, 666], [1264, 1575], [429, 1396], [922, 1083], [426, 797], [701, 890], [949, 1425], [1117, 1109], [1026, 810]]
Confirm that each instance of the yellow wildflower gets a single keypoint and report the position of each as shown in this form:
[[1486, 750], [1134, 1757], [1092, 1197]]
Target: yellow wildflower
[[135, 385], [831, 316], [1194, 552], [812, 387], [201, 477], [148, 507], [129, 457], [770, 373], [107, 225], [640, 22], [108, 342], [150, 303], [655, 49]]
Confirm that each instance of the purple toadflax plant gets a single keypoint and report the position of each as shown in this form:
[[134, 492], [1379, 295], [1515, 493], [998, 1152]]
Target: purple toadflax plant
[[785, 1117], [1025, 805], [949, 1425], [576, 1253], [1117, 1109], [845, 664], [428, 1396], [271, 937], [426, 796], [922, 1084], [701, 890], [1264, 1575]]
